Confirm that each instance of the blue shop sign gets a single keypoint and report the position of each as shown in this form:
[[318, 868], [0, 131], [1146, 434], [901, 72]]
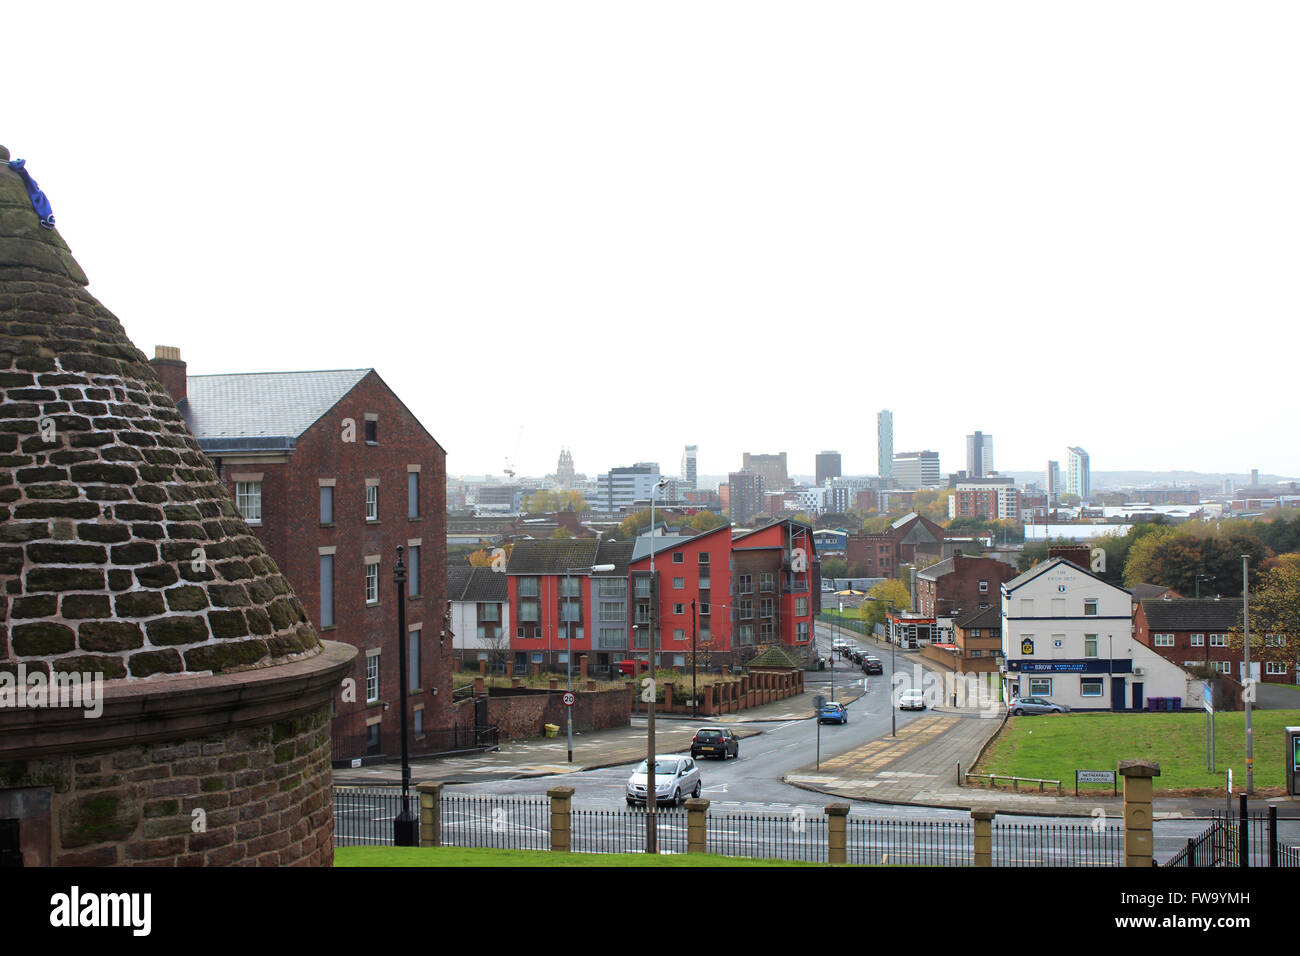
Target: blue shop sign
[[1091, 666]]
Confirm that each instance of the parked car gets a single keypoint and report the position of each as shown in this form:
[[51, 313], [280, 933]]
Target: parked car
[[872, 665], [676, 778], [1035, 705], [833, 712], [715, 742], [911, 699]]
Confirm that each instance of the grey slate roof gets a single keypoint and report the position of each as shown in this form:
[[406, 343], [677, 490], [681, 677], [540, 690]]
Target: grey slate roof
[[1144, 591], [551, 556], [936, 570], [617, 553], [479, 585], [262, 406], [989, 617], [1190, 614]]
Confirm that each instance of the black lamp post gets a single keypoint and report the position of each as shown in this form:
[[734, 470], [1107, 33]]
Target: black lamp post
[[406, 828]]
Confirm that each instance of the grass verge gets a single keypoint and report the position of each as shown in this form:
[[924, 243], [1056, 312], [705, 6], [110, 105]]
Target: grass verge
[[1053, 746], [388, 856]]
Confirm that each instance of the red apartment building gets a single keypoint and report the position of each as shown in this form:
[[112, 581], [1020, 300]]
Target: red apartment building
[[775, 587], [731, 596], [1191, 632], [334, 473], [558, 606], [687, 569]]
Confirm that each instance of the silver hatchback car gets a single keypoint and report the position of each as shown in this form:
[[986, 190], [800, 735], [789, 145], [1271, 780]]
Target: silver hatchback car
[[676, 778], [1035, 705]]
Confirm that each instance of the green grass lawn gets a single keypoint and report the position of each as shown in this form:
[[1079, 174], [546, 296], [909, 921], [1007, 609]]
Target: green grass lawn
[[1053, 746], [460, 856]]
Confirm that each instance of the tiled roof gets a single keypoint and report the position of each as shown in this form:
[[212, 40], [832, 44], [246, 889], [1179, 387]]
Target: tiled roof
[[551, 556], [1190, 614], [480, 585], [989, 617], [776, 657], [1143, 592], [936, 570], [263, 405], [617, 553]]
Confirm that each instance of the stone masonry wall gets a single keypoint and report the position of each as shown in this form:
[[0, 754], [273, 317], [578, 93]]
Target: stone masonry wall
[[120, 552], [265, 793]]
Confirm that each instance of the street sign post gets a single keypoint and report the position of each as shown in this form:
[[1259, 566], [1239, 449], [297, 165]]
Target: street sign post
[[1095, 776], [1207, 701]]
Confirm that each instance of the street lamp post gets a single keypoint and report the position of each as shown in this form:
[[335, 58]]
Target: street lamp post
[[651, 834], [568, 641], [405, 826], [1246, 678]]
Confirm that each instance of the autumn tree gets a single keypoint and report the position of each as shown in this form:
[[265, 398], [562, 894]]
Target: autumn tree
[[549, 502], [1274, 618], [1174, 556], [892, 592]]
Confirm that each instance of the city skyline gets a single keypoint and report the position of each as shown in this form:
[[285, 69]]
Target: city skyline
[[994, 237]]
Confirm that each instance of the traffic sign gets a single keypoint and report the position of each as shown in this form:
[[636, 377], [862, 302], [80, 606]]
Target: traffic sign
[[569, 699]]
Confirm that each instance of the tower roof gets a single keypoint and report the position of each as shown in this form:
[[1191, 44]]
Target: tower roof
[[120, 550]]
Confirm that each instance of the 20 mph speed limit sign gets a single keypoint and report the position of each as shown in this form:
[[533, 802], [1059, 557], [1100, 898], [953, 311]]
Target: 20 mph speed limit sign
[[568, 700]]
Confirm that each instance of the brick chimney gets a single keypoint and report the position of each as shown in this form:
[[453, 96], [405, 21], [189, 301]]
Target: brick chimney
[[170, 369]]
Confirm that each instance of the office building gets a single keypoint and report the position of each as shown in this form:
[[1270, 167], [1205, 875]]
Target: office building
[[746, 496], [885, 444], [1078, 479], [621, 488], [771, 467], [1053, 482], [979, 455], [689, 468], [828, 466], [916, 469]]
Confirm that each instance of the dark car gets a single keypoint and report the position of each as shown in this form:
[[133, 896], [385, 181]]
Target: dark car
[[833, 712], [872, 665], [715, 742]]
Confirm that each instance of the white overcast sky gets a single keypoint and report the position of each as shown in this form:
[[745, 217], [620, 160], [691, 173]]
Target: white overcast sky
[[625, 227]]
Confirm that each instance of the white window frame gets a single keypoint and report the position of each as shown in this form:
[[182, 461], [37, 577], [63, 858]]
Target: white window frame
[[1094, 604], [372, 503], [1090, 639], [1162, 640], [1275, 667], [248, 497], [1198, 640], [1218, 640], [1085, 682], [1040, 681], [372, 583], [372, 677]]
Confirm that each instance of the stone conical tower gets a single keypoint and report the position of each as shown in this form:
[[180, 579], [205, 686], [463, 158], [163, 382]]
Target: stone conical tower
[[123, 560]]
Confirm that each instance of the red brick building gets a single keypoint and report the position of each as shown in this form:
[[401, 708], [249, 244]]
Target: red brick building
[[960, 585], [909, 536], [1191, 632], [334, 473]]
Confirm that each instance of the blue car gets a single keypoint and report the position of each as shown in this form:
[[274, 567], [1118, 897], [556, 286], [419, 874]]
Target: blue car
[[833, 712]]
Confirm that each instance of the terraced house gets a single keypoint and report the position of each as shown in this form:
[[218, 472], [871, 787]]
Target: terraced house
[[333, 473]]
